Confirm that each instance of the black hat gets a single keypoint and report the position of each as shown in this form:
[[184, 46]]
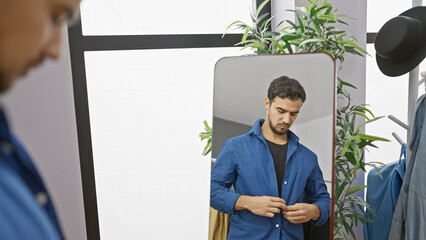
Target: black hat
[[401, 43]]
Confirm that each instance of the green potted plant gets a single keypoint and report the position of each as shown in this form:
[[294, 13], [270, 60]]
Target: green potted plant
[[316, 30]]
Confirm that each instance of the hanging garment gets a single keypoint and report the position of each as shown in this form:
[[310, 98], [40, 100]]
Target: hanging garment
[[382, 195], [218, 225], [409, 219]]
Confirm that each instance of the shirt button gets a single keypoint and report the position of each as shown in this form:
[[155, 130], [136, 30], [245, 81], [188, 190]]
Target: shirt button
[[285, 182], [277, 225], [41, 198]]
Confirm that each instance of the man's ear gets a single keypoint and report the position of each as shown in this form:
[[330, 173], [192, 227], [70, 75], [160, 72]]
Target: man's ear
[[267, 103]]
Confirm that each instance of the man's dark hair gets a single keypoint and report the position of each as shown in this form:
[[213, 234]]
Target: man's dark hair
[[285, 87]]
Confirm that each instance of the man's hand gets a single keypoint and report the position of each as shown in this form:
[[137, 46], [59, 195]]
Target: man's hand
[[302, 212], [263, 206]]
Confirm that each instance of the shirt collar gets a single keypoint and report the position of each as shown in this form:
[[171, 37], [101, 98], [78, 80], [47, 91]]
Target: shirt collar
[[256, 130]]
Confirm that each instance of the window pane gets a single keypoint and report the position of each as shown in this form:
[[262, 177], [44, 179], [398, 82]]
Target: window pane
[[386, 96], [381, 11], [146, 110], [132, 17]]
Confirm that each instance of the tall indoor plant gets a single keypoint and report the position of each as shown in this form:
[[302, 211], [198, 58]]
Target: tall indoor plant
[[316, 30]]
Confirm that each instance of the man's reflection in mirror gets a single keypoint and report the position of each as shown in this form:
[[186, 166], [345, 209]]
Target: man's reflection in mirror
[[270, 171]]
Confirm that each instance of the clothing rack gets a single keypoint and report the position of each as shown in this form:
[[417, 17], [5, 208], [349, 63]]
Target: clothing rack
[[398, 138], [414, 84]]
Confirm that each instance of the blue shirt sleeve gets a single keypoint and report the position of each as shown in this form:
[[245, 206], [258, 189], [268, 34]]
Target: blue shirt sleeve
[[316, 193], [222, 177]]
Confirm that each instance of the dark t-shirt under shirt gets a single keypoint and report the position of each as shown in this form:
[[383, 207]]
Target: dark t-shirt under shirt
[[279, 154]]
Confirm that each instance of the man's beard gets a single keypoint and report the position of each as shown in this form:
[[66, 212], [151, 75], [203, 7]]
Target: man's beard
[[276, 130]]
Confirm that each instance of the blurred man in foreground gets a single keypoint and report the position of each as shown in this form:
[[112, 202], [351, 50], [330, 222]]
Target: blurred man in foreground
[[30, 31]]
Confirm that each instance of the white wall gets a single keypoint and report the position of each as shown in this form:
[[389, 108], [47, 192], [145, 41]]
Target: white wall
[[353, 70], [279, 10], [40, 110]]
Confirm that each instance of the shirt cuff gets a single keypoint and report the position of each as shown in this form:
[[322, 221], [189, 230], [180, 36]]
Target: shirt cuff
[[229, 201], [324, 211]]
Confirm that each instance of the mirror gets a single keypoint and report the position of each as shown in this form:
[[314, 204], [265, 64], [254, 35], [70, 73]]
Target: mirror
[[240, 87]]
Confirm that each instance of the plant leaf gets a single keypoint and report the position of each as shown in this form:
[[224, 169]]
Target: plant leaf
[[207, 148], [312, 40], [352, 44], [205, 136], [373, 138], [366, 122], [261, 17], [301, 24], [346, 146], [362, 115], [245, 35], [207, 127], [278, 45], [261, 6], [366, 110], [266, 23]]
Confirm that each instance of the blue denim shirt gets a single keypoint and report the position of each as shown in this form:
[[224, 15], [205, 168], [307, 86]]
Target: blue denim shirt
[[246, 163], [409, 218], [382, 194], [26, 211]]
